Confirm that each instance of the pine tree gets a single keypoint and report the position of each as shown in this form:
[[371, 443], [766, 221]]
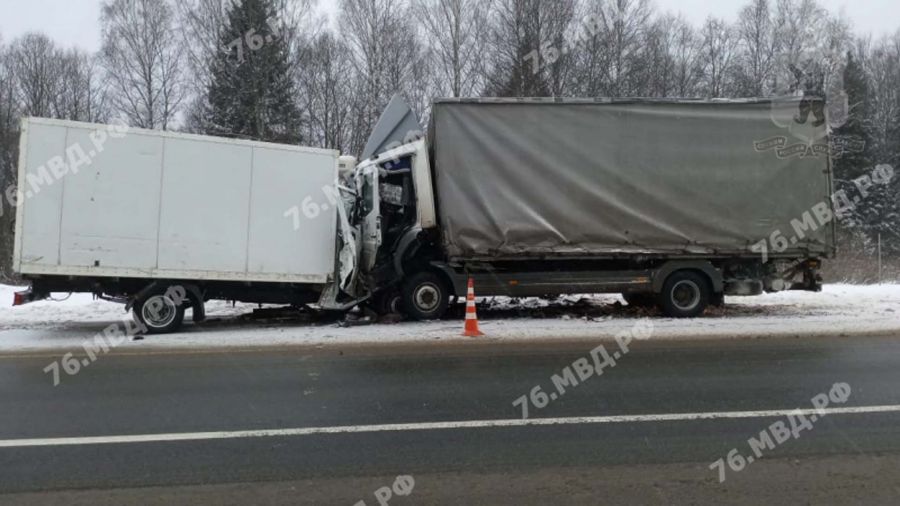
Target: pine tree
[[852, 141], [877, 211], [889, 226], [252, 92]]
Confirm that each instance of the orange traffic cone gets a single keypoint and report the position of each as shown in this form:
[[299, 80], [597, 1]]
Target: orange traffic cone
[[471, 317]]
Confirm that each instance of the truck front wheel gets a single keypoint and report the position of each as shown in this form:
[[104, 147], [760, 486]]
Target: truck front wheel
[[685, 294], [387, 302], [425, 296], [159, 312]]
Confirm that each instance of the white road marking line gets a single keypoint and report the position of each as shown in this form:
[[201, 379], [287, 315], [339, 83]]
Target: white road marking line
[[398, 427]]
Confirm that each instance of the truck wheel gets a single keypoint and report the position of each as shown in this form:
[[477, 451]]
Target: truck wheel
[[425, 296], [388, 302], [685, 295], [639, 299], [158, 312]]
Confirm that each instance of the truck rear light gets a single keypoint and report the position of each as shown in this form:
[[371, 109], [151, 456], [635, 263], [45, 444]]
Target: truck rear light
[[22, 298]]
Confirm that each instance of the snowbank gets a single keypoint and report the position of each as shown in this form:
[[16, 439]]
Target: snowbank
[[838, 310]]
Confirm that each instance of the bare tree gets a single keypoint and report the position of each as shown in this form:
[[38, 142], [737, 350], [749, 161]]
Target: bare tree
[[201, 24], [621, 29], [758, 49], [369, 23], [9, 115], [656, 65], [81, 94], [800, 27], [669, 61], [456, 35], [528, 49], [801, 36], [591, 59], [882, 65], [35, 61], [559, 27], [298, 23], [56, 83], [329, 92], [9, 135], [9, 111], [685, 49], [141, 54], [614, 59], [409, 71], [717, 59], [385, 55]]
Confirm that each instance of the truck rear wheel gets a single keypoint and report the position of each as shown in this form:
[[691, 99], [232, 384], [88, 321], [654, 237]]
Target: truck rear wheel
[[686, 294], [425, 296], [159, 312]]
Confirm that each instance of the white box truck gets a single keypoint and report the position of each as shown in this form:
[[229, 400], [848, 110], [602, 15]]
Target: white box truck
[[127, 213]]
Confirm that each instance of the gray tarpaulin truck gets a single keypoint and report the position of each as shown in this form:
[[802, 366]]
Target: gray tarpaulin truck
[[671, 203], [674, 203]]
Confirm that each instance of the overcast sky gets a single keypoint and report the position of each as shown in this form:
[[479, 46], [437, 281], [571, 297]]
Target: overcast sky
[[75, 22]]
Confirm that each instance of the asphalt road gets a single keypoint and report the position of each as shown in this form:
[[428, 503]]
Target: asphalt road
[[198, 407]]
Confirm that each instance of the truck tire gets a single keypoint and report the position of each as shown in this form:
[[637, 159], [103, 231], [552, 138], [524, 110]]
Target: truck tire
[[686, 294], [425, 296], [158, 312], [639, 299], [387, 302]]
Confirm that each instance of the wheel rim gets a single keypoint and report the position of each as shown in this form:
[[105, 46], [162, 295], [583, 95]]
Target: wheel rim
[[427, 297], [159, 311], [685, 295], [394, 304]]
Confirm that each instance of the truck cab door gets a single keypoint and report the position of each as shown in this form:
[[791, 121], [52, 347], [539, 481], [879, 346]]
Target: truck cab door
[[367, 181]]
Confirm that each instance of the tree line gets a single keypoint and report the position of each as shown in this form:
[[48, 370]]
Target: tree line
[[276, 70]]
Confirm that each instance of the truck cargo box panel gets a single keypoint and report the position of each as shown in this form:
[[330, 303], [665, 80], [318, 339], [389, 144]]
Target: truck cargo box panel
[[533, 178], [165, 205]]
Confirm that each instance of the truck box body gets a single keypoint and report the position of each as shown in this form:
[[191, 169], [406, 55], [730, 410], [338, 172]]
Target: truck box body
[[538, 178], [164, 205]]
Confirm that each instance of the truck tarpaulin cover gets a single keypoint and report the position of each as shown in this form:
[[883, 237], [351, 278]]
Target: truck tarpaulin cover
[[533, 178]]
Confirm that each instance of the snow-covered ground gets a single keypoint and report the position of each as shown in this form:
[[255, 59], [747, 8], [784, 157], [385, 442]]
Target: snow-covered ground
[[838, 310]]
